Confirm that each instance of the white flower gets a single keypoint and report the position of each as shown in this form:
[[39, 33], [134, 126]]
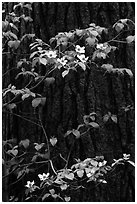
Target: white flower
[[51, 54], [82, 58], [79, 49], [13, 87], [101, 46], [30, 184], [126, 156], [102, 163], [62, 61], [43, 176]]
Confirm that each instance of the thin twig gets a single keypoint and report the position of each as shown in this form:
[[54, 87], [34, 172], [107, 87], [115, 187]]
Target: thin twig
[[69, 154], [22, 118], [52, 167], [43, 79], [46, 137]]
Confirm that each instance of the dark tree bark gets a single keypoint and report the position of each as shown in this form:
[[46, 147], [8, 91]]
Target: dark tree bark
[[79, 94]]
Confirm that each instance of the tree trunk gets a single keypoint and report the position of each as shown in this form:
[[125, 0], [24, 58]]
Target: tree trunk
[[79, 94]]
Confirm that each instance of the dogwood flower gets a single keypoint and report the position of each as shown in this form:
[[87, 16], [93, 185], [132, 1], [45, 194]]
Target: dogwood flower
[[101, 46], [82, 58], [62, 61], [126, 156], [51, 54], [79, 49], [30, 185], [102, 163], [43, 176]]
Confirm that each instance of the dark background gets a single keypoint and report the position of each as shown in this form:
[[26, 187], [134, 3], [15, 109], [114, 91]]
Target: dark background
[[68, 100]]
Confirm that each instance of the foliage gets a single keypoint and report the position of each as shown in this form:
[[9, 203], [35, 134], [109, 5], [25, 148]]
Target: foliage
[[67, 52]]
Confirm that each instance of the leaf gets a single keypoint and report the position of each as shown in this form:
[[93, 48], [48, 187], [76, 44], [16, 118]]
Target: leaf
[[17, 5], [79, 32], [13, 151], [98, 158], [52, 40], [82, 65], [44, 156], [90, 41], [34, 61], [114, 118], [24, 96], [94, 125], [27, 19], [58, 181], [13, 26], [92, 25], [45, 196], [69, 176], [132, 163], [94, 33], [68, 133], [43, 60], [67, 199], [108, 67], [92, 118], [11, 106], [54, 196], [34, 158], [86, 119], [53, 141], [64, 187], [28, 6], [12, 35], [38, 146], [124, 21], [65, 73], [20, 173], [106, 118], [80, 173], [94, 163], [25, 143], [102, 181], [79, 126], [129, 72], [103, 55], [33, 54], [14, 44], [36, 102], [50, 80], [76, 133], [34, 45], [52, 191], [130, 39], [119, 27]]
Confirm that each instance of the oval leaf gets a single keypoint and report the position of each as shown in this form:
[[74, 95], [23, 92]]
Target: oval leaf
[[80, 173], [36, 102], [43, 61], [130, 39], [45, 196], [119, 27], [94, 125], [90, 41], [50, 80], [67, 199], [76, 133], [65, 73], [53, 141], [25, 143], [106, 118], [114, 118], [69, 176], [82, 65]]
